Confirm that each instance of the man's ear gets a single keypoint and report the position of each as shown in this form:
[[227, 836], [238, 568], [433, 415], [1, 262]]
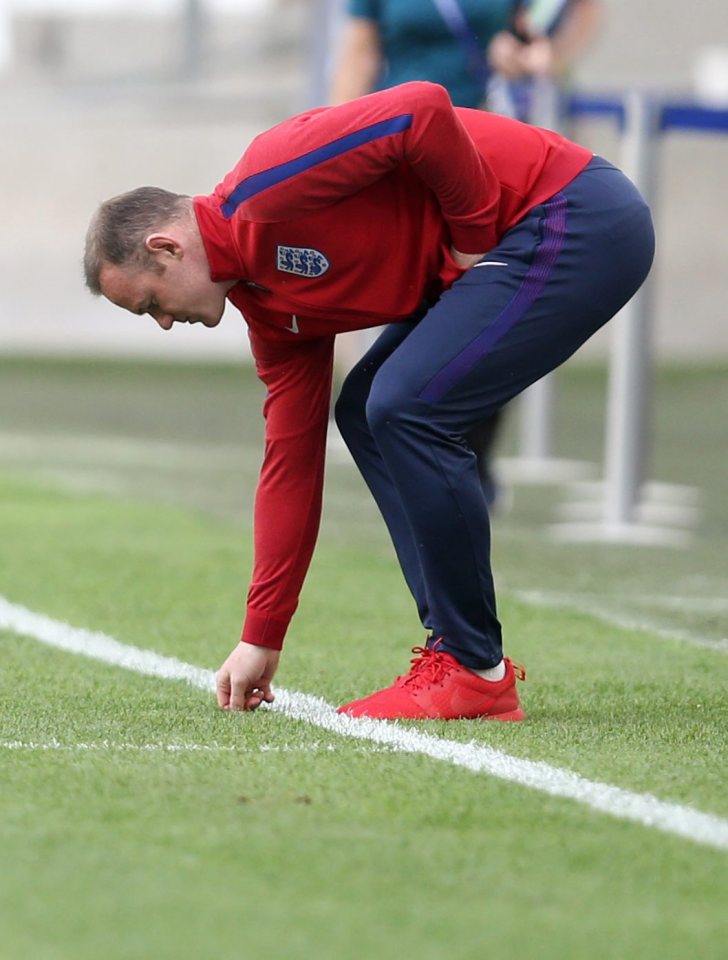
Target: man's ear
[[162, 243]]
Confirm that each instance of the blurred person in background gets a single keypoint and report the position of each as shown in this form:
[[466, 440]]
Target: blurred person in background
[[484, 52], [544, 40], [458, 43], [488, 249]]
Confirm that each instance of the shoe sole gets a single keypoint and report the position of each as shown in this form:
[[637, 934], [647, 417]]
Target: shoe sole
[[511, 716]]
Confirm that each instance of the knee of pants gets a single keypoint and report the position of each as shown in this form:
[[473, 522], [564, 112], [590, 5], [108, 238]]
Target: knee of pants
[[349, 409], [393, 410], [389, 405]]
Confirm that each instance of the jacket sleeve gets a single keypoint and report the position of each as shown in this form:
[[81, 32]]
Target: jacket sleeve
[[289, 494], [319, 157]]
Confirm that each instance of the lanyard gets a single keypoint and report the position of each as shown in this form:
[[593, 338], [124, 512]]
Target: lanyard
[[455, 21]]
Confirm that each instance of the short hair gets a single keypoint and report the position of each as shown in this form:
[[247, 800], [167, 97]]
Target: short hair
[[120, 226]]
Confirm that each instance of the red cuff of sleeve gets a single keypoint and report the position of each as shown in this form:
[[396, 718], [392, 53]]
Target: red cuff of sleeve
[[472, 239], [262, 630]]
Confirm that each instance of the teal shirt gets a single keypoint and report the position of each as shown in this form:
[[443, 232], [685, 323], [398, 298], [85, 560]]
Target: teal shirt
[[418, 45]]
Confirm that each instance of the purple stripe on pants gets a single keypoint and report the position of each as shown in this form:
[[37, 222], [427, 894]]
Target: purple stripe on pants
[[554, 230]]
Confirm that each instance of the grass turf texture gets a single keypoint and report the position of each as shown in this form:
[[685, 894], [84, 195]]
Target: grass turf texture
[[124, 500]]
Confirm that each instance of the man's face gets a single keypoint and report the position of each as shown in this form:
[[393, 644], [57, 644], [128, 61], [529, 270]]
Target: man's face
[[181, 292]]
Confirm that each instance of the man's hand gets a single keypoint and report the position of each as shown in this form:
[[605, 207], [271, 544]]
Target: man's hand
[[514, 59], [505, 55], [465, 260], [243, 681]]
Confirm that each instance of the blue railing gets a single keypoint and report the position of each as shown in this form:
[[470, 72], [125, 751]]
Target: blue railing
[[670, 115], [643, 118]]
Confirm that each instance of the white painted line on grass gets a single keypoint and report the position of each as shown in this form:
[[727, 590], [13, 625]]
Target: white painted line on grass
[[681, 604], [110, 746], [592, 608], [682, 821], [104, 451]]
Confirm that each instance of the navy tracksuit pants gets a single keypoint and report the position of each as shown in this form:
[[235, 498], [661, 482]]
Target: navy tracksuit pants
[[406, 409]]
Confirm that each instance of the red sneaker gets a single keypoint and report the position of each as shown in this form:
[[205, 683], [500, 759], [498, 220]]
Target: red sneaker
[[437, 687]]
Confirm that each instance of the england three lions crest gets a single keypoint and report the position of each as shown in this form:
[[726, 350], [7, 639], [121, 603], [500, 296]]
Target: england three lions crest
[[303, 261]]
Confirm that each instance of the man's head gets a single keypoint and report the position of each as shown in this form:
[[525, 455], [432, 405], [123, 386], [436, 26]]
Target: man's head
[[144, 252]]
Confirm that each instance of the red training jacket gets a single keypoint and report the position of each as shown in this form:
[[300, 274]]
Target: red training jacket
[[338, 219]]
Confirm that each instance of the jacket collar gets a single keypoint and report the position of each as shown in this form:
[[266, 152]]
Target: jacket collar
[[218, 239]]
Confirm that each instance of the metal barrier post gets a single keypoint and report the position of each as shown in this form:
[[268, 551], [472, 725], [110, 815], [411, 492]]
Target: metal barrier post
[[193, 39], [624, 508], [537, 403], [324, 25], [626, 427], [537, 416], [6, 35], [535, 462]]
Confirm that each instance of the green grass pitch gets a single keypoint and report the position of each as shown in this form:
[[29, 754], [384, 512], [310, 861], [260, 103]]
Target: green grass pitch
[[138, 821]]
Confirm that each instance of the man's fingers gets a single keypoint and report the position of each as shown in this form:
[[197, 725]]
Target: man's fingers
[[243, 681], [259, 695], [251, 699], [222, 685], [239, 695]]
